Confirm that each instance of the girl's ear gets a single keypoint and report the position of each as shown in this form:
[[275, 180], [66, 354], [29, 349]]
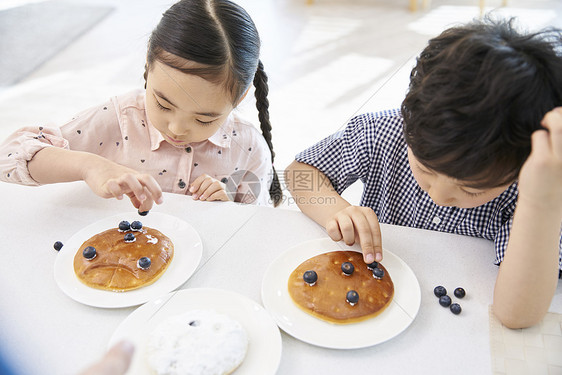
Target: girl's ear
[[242, 97]]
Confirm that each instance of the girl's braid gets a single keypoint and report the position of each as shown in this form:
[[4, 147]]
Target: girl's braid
[[262, 104]]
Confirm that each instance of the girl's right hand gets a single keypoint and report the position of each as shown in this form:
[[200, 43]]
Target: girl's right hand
[[357, 224], [111, 180]]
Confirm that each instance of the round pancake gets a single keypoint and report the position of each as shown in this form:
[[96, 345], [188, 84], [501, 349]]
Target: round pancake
[[115, 266], [327, 298]]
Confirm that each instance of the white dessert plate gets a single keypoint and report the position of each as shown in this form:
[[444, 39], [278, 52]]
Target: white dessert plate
[[264, 339], [188, 250], [305, 327]]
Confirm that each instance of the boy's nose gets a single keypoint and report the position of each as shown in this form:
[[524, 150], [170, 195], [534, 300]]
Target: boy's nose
[[441, 196]]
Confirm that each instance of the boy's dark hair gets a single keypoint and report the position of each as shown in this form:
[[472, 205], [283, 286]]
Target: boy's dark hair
[[222, 39], [476, 94]]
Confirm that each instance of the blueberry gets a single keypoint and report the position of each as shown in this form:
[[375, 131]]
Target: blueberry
[[310, 277], [144, 263], [136, 225], [89, 252], [459, 293], [347, 268], [439, 291], [373, 265], [445, 301], [378, 273], [124, 226], [352, 297], [455, 308], [194, 323], [143, 213], [129, 237], [57, 245]]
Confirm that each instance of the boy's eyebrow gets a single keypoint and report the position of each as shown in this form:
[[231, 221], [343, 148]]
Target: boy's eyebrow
[[207, 114], [478, 190]]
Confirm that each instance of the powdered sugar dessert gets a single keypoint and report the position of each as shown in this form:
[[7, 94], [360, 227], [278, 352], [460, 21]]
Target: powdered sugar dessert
[[197, 342]]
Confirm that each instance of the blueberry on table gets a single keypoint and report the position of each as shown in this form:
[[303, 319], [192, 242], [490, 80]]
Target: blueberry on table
[[89, 252], [129, 237], [144, 263], [455, 308], [373, 265], [57, 245], [378, 273], [347, 268], [136, 225], [445, 301], [143, 213], [459, 293], [124, 226], [352, 297], [310, 277], [439, 291]]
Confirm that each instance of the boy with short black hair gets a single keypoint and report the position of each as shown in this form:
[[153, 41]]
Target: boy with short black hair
[[476, 150]]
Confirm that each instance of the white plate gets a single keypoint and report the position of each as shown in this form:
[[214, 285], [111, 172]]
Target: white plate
[[264, 339], [305, 327], [188, 250]]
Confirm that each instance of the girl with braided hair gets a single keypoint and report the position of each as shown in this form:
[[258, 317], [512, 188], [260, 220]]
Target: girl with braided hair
[[180, 134]]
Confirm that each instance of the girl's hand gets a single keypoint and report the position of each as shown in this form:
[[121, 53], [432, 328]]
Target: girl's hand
[[206, 188], [540, 179], [108, 179], [357, 224]]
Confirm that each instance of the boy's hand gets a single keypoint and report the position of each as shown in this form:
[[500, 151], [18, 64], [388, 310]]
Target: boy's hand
[[114, 180], [540, 179], [357, 224], [206, 188]]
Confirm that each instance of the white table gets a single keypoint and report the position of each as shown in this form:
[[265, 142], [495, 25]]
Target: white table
[[49, 333]]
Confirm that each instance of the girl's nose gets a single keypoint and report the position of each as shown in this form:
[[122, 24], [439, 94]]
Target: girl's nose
[[176, 128]]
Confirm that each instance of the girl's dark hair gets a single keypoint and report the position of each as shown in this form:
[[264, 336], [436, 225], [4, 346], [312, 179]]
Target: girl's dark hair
[[476, 95], [222, 39]]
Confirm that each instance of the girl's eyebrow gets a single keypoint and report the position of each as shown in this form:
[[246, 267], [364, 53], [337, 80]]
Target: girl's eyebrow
[[207, 114], [158, 93]]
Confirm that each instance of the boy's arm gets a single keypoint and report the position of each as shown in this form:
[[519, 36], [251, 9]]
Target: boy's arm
[[106, 178], [528, 275], [324, 205]]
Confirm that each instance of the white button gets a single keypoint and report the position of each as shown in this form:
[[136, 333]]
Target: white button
[[436, 220]]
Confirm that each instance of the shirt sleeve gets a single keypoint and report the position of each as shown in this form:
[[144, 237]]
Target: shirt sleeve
[[501, 240], [81, 133], [343, 156], [21, 146]]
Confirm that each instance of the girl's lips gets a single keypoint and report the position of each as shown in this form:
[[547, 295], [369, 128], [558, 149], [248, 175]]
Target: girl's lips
[[173, 140]]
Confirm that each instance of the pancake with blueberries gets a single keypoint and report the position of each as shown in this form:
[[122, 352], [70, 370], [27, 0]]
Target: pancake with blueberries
[[339, 287], [124, 258]]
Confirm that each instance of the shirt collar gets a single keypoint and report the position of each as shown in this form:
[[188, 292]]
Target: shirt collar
[[223, 136]]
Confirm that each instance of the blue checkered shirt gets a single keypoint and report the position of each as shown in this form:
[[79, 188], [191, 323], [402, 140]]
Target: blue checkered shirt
[[372, 149]]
